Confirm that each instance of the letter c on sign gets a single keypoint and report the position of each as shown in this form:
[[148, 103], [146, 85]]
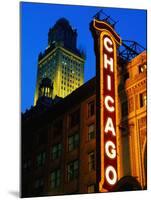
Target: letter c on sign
[[106, 42], [106, 101], [110, 170]]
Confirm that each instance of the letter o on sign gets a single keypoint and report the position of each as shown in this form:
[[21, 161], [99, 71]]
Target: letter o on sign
[[111, 175]]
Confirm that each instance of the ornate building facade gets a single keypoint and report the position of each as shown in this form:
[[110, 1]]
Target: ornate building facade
[[133, 118]]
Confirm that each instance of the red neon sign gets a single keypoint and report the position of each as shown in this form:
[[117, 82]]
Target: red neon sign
[[107, 64], [109, 122]]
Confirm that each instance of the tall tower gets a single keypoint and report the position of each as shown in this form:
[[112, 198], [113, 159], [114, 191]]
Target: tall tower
[[61, 61]]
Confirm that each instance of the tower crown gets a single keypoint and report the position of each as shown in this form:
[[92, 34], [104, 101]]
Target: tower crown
[[62, 22], [63, 32]]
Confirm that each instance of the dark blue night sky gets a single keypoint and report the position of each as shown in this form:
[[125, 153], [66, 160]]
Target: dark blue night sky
[[37, 18]]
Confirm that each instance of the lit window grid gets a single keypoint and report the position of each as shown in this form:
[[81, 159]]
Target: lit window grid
[[72, 80], [74, 77], [49, 63], [68, 86], [72, 61]]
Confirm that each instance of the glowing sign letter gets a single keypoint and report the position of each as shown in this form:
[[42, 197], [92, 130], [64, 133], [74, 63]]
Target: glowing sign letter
[[106, 101], [109, 126], [108, 82], [110, 149], [106, 42], [111, 175], [108, 62]]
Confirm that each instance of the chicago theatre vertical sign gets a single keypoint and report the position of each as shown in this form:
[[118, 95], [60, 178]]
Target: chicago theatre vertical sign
[[106, 42]]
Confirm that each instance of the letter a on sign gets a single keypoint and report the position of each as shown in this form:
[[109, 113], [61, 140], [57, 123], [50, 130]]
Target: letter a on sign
[[109, 126], [106, 42]]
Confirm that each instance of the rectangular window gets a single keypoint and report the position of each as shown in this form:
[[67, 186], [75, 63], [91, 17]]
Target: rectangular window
[[73, 142], [91, 188], [91, 109], [143, 99], [73, 170], [74, 118], [91, 132], [56, 151], [40, 159], [55, 179], [91, 161]]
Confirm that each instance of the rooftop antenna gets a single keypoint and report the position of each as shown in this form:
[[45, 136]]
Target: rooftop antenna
[[97, 15], [130, 49], [101, 15]]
